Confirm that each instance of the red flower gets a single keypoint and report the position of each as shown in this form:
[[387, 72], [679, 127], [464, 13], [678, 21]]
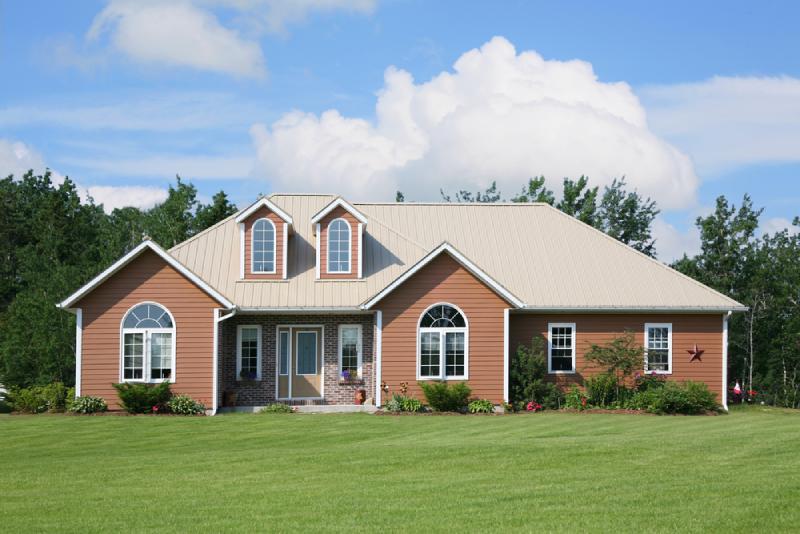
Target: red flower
[[583, 401], [155, 409], [752, 393]]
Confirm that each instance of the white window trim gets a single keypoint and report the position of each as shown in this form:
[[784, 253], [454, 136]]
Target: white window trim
[[239, 329], [146, 364], [253, 250], [442, 345], [297, 359], [647, 327], [550, 327], [358, 348], [349, 248]]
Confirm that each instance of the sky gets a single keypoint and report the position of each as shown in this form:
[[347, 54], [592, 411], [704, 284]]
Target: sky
[[687, 100]]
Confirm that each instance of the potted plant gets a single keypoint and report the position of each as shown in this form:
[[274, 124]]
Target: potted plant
[[360, 396], [229, 398], [349, 377]]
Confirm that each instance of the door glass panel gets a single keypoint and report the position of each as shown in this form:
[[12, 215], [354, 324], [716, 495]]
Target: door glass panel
[[306, 353], [284, 353]]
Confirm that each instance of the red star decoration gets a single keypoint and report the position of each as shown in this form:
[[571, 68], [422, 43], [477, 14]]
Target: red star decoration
[[696, 353]]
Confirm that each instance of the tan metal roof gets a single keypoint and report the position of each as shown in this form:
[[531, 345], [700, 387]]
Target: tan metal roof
[[545, 258]]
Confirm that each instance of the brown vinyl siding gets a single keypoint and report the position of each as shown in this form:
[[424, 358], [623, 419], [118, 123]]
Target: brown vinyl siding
[[687, 329], [263, 213], [148, 278], [338, 213], [444, 280]]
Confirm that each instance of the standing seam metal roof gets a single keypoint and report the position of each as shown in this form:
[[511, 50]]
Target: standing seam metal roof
[[546, 258]]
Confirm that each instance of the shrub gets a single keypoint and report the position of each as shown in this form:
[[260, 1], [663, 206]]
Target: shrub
[[575, 399], [603, 390], [402, 403], [88, 405], [648, 381], [620, 358], [410, 404], [5, 407], [443, 397], [689, 398], [528, 372], [481, 406], [37, 399], [276, 408], [138, 397], [185, 405]]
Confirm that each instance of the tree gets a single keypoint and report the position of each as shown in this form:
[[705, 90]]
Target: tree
[[620, 357], [491, 194], [535, 191], [627, 217], [399, 197], [172, 221], [209, 215], [579, 200]]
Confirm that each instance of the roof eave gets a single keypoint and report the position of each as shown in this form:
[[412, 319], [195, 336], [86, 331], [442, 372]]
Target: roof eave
[[267, 203], [339, 202]]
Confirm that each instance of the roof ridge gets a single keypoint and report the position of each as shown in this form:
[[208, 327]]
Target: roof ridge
[[645, 256], [467, 204]]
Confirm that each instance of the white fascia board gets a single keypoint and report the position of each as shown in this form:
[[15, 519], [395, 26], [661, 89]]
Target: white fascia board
[[335, 204], [130, 256], [462, 260], [265, 203], [627, 309]]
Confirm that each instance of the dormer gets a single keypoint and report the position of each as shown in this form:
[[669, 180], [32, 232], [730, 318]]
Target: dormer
[[264, 230], [339, 228]]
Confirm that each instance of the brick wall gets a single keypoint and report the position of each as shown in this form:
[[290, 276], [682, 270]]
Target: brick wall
[[262, 392]]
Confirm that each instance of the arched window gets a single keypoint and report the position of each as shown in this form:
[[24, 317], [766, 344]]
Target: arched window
[[339, 246], [148, 344], [442, 343], [262, 250]]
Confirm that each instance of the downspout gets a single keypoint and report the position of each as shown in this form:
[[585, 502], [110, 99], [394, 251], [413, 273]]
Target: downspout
[[378, 354], [725, 318], [78, 313], [215, 386]]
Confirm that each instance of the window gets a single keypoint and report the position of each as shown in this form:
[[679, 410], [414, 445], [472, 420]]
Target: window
[[658, 348], [339, 246], [306, 353], [148, 348], [263, 247], [561, 348], [248, 352], [442, 343], [284, 348], [350, 351]]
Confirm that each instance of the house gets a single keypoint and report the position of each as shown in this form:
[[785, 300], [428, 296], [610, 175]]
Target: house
[[310, 298]]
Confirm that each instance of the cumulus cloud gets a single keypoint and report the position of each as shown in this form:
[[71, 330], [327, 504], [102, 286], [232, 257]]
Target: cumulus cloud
[[112, 197], [725, 122], [498, 115], [778, 224], [17, 158], [177, 34], [672, 243]]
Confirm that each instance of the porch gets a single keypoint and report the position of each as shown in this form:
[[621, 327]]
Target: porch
[[310, 361]]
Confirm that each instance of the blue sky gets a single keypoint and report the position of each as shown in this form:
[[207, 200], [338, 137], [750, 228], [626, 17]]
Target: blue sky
[[688, 100]]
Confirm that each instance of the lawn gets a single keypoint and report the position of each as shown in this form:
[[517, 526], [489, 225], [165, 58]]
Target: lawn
[[543, 472]]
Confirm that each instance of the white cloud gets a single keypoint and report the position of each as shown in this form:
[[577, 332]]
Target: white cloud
[[498, 116], [191, 167], [177, 34], [778, 224], [112, 197], [726, 122], [17, 158], [275, 15], [672, 244]]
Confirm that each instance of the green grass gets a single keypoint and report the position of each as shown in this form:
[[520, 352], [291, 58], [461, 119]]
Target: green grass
[[543, 472]]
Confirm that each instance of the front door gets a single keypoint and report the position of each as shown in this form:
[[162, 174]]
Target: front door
[[299, 362]]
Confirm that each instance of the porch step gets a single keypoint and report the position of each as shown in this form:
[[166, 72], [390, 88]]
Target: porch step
[[309, 408]]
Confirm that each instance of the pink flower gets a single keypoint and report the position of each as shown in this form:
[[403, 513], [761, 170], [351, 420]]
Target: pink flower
[[155, 409]]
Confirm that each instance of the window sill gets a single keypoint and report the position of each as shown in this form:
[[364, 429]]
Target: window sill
[[658, 372], [359, 382], [561, 372]]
